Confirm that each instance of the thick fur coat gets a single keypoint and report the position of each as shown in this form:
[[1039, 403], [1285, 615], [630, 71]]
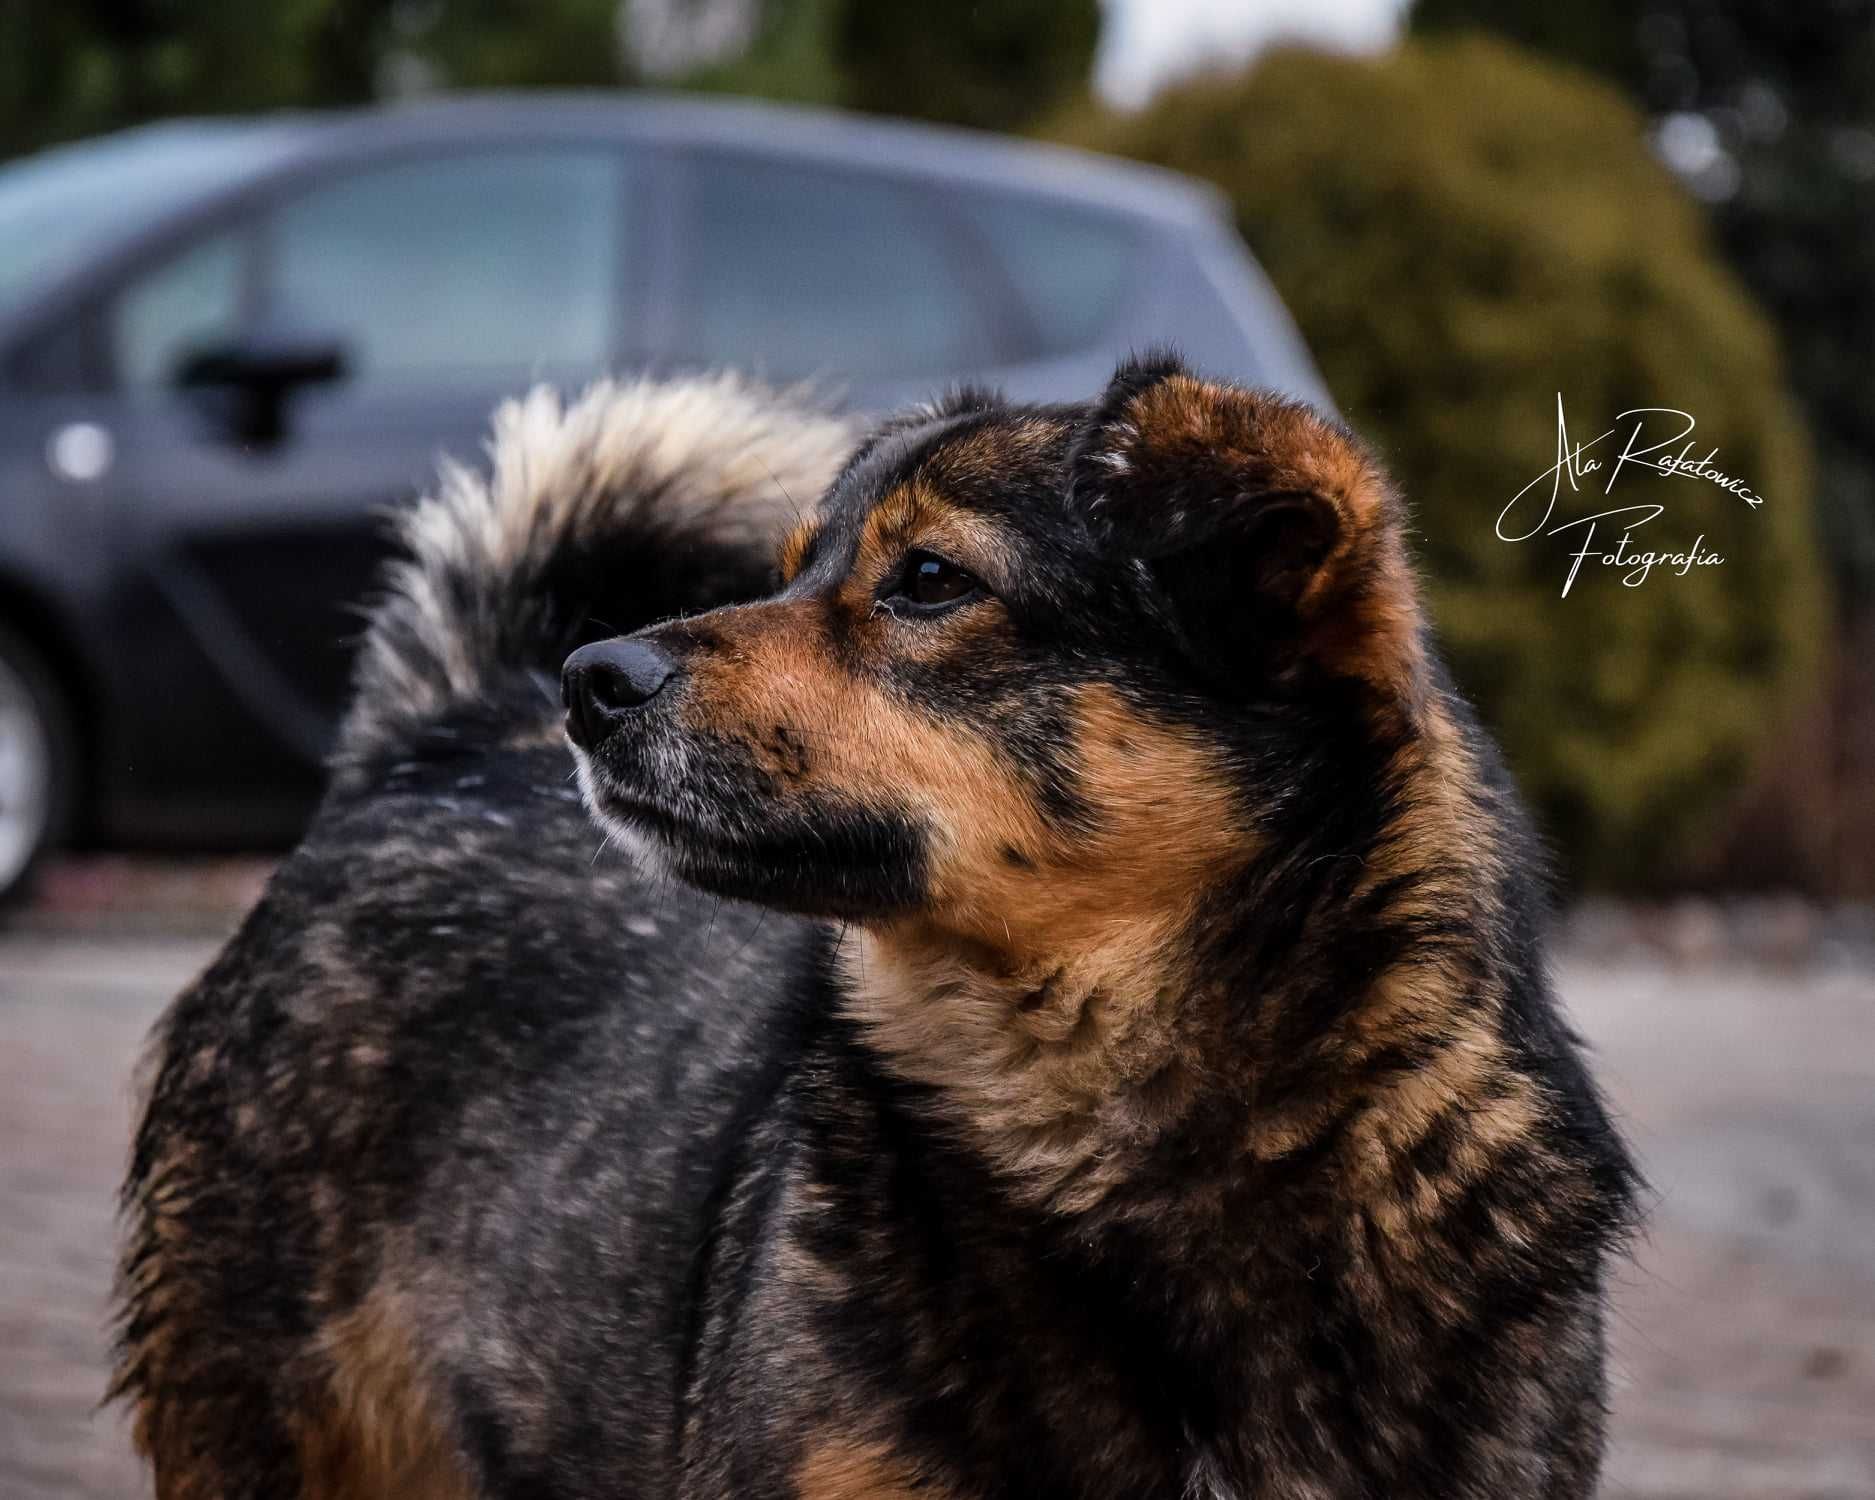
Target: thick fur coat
[[1074, 1022]]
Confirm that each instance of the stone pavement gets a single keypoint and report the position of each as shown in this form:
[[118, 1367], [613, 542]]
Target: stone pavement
[[72, 1021], [1744, 1335]]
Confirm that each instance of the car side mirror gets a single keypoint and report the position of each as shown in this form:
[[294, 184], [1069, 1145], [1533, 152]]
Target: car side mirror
[[250, 377]]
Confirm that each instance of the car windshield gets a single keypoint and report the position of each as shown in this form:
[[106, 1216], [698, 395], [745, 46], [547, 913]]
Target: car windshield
[[60, 204]]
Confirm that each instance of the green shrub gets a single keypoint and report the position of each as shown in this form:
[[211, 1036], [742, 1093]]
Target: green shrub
[[1789, 92], [1462, 232], [996, 66]]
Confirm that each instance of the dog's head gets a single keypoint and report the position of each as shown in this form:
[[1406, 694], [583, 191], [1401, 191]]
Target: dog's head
[[1027, 667]]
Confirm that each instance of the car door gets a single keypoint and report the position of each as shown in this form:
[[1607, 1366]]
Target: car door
[[443, 280]]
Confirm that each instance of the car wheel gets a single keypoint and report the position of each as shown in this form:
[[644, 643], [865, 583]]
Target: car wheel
[[35, 762]]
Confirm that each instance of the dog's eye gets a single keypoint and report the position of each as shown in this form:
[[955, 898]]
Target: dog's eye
[[930, 581]]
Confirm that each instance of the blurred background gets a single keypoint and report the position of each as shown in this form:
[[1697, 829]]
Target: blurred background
[[261, 265]]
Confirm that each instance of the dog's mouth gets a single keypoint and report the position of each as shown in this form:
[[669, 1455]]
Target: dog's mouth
[[638, 812], [813, 856], [634, 808]]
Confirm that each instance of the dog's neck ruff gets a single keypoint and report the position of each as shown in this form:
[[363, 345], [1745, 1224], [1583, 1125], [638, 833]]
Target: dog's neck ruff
[[1059, 1071], [1066, 1071]]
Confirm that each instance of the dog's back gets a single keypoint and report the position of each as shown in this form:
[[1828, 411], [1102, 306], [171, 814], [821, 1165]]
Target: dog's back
[[377, 1184]]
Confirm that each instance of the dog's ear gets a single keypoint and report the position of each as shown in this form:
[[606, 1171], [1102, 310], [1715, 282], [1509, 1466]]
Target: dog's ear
[[1267, 532]]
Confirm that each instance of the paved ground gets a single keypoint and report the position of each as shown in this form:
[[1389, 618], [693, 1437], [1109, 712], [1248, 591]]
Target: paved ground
[[1745, 1335]]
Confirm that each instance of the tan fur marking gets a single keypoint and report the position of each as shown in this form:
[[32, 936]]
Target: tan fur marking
[[916, 516], [1044, 1000], [988, 454], [1452, 1079], [772, 670], [1441, 835], [794, 550], [853, 1469], [162, 1429], [379, 1433]]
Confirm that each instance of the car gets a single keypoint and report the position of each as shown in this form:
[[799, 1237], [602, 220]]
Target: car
[[228, 347]]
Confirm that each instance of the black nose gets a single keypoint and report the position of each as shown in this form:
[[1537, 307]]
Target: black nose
[[602, 683]]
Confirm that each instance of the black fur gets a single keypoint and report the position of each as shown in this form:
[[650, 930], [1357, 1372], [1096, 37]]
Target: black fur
[[656, 1209]]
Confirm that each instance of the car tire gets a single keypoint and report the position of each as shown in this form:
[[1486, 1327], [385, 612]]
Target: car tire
[[37, 763]]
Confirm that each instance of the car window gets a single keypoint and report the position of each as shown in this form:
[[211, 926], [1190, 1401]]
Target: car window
[[59, 207], [458, 268], [168, 313], [1072, 266], [796, 272]]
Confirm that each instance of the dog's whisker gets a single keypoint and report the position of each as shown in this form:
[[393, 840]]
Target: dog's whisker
[[792, 504]]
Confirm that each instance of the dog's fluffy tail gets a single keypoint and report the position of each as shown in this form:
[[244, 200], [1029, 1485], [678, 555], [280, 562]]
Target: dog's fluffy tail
[[637, 502]]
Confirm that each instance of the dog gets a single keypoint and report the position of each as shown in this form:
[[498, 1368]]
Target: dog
[[1073, 1023]]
